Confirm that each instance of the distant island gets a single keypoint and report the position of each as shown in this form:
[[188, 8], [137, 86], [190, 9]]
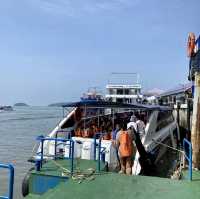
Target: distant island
[[21, 104], [60, 104]]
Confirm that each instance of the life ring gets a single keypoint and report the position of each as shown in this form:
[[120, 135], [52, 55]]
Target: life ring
[[25, 183], [191, 44]]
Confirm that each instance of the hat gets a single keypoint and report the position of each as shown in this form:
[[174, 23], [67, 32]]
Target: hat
[[132, 125]]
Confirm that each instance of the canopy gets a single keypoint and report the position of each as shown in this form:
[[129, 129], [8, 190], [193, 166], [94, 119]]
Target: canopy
[[106, 104]]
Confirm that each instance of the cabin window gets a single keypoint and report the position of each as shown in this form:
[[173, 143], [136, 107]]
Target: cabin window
[[127, 92], [164, 119], [120, 92]]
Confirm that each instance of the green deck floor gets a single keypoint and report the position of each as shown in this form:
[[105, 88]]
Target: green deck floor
[[116, 186], [50, 168]]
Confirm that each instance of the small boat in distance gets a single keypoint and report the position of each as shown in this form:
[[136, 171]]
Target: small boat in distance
[[5, 108]]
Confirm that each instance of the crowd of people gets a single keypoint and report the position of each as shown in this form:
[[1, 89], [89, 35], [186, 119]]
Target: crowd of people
[[122, 134]]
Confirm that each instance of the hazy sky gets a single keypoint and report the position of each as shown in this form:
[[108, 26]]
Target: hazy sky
[[53, 50]]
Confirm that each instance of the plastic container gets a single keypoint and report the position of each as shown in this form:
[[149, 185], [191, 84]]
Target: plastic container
[[88, 150]]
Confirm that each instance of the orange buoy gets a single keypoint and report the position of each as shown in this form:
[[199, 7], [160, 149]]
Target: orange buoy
[[191, 44]]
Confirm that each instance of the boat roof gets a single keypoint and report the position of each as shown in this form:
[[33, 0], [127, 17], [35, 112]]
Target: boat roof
[[107, 104]]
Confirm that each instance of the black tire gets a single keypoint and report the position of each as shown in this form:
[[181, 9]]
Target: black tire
[[25, 183]]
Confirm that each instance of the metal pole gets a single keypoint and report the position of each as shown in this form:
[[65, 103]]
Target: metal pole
[[11, 182], [55, 149], [113, 111], [99, 155], [63, 112], [84, 116], [42, 151], [188, 120], [190, 162], [98, 118], [95, 142], [72, 156]]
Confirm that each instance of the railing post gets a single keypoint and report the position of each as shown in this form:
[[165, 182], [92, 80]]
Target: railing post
[[95, 143], [42, 151], [55, 149], [99, 155], [190, 162], [11, 181], [72, 156], [189, 159]]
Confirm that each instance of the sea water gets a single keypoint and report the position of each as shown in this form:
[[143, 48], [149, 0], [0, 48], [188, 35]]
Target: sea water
[[18, 132]]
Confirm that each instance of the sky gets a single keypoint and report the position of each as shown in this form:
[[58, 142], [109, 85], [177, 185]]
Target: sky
[[54, 50]]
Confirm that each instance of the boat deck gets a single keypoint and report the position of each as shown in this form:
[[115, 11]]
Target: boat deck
[[118, 186]]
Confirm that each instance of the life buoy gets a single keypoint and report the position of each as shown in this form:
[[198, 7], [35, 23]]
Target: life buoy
[[191, 44], [126, 144]]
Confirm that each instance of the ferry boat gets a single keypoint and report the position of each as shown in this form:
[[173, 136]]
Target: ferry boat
[[124, 88], [75, 142], [87, 119]]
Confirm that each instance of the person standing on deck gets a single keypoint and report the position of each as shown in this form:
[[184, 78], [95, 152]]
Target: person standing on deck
[[140, 125], [124, 143], [113, 138]]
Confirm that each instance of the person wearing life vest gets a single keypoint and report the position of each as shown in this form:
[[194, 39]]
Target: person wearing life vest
[[124, 142]]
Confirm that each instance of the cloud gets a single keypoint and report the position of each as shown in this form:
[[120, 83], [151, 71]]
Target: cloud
[[77, 8]]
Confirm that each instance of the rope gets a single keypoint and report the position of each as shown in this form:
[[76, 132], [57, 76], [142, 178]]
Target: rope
[[178, 172], [33, 150], [79, 175], [180, 151]]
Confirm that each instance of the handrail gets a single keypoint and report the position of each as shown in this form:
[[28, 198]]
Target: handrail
[[11, 181], [71, 144], [188, 157], [100, 152], [95, 142]]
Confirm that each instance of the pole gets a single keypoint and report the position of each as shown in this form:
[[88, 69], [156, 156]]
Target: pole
[[195, 134], [188, 135]]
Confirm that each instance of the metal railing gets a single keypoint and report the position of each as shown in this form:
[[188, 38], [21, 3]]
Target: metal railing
[[69, 136], [69, 142], [101, 150], [188, 155], [11, 181]]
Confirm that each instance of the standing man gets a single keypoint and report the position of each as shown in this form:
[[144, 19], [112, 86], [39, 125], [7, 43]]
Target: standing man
[[124, 142]]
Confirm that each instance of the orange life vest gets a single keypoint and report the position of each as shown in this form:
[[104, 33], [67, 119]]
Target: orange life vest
[[78, 133], [126, 144], [86, 133]]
